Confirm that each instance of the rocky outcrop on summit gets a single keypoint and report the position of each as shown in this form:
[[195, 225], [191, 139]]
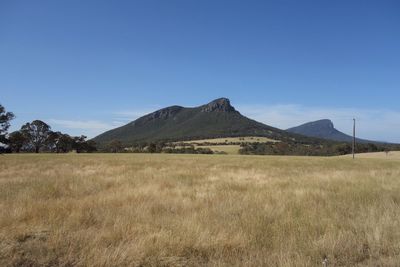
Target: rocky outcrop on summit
[[163, 114], [221, 104]]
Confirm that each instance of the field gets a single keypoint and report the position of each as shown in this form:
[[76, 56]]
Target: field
[[225, 144], [227, 149], [190, 210], [378, 155]]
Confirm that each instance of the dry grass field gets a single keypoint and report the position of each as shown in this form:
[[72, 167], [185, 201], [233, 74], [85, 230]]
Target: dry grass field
[[191, 210], [228, 149], [378, 155]]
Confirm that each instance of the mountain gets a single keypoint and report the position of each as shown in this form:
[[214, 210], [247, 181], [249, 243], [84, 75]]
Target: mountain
[[326, 130], [215, 119]]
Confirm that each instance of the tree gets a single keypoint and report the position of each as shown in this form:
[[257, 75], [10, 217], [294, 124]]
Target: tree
[[90, 146], [152, 148], [79, 143], [60, 142], [5, 118], [82, 145], [17, 140], [115, 146], [343, 149], [37, 133]]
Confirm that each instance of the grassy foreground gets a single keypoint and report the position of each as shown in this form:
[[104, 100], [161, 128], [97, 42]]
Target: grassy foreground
[[180, 210]]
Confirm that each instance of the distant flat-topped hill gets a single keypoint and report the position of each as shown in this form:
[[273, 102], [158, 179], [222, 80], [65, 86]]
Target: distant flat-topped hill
[[215, 119], [326, 130]]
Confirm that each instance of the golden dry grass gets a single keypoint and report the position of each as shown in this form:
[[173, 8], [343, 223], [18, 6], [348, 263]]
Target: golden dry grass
[[378, 155], [190, 210], [228, 149]]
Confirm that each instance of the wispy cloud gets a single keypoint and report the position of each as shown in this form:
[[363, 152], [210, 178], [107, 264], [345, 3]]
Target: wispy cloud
[[92, 128], [89, 128], [376, 124], [79, 124], [130, 115]]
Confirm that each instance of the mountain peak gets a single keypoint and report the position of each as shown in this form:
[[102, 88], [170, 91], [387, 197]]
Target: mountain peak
[[220, 104], [325, 123], [322, 129], [213, 120]]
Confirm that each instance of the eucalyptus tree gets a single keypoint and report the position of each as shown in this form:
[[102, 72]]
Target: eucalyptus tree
[[5, 118], [16, 141], [37, 133]]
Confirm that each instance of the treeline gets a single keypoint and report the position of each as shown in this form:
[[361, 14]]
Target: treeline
[[328, 149], [116, 146], [37, 136]]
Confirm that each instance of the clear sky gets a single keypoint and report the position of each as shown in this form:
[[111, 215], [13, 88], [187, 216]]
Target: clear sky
[[88, 66]]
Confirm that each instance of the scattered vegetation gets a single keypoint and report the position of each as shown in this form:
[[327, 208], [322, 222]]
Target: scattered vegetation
[[230, 140], [324, 149], [159, 147]]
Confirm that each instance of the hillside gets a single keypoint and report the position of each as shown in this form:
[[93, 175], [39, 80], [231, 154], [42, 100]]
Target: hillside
[[326, 130], [215, 119]]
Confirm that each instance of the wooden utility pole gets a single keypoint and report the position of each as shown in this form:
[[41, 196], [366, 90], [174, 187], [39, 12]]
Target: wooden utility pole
[[354, 137]]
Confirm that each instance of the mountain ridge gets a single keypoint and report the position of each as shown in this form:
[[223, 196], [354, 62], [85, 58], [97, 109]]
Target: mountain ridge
[[325, 129], [217, 118]]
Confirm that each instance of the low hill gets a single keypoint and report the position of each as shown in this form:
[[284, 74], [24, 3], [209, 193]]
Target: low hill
[[326, 130], [176, 123]]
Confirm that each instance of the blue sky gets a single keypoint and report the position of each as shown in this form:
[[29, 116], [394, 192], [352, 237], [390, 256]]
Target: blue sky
[[89, 66]]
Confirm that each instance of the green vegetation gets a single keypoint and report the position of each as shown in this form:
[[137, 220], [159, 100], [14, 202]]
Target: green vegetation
[[231, 140], [5, 118], [324, 149], [37, 136]]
